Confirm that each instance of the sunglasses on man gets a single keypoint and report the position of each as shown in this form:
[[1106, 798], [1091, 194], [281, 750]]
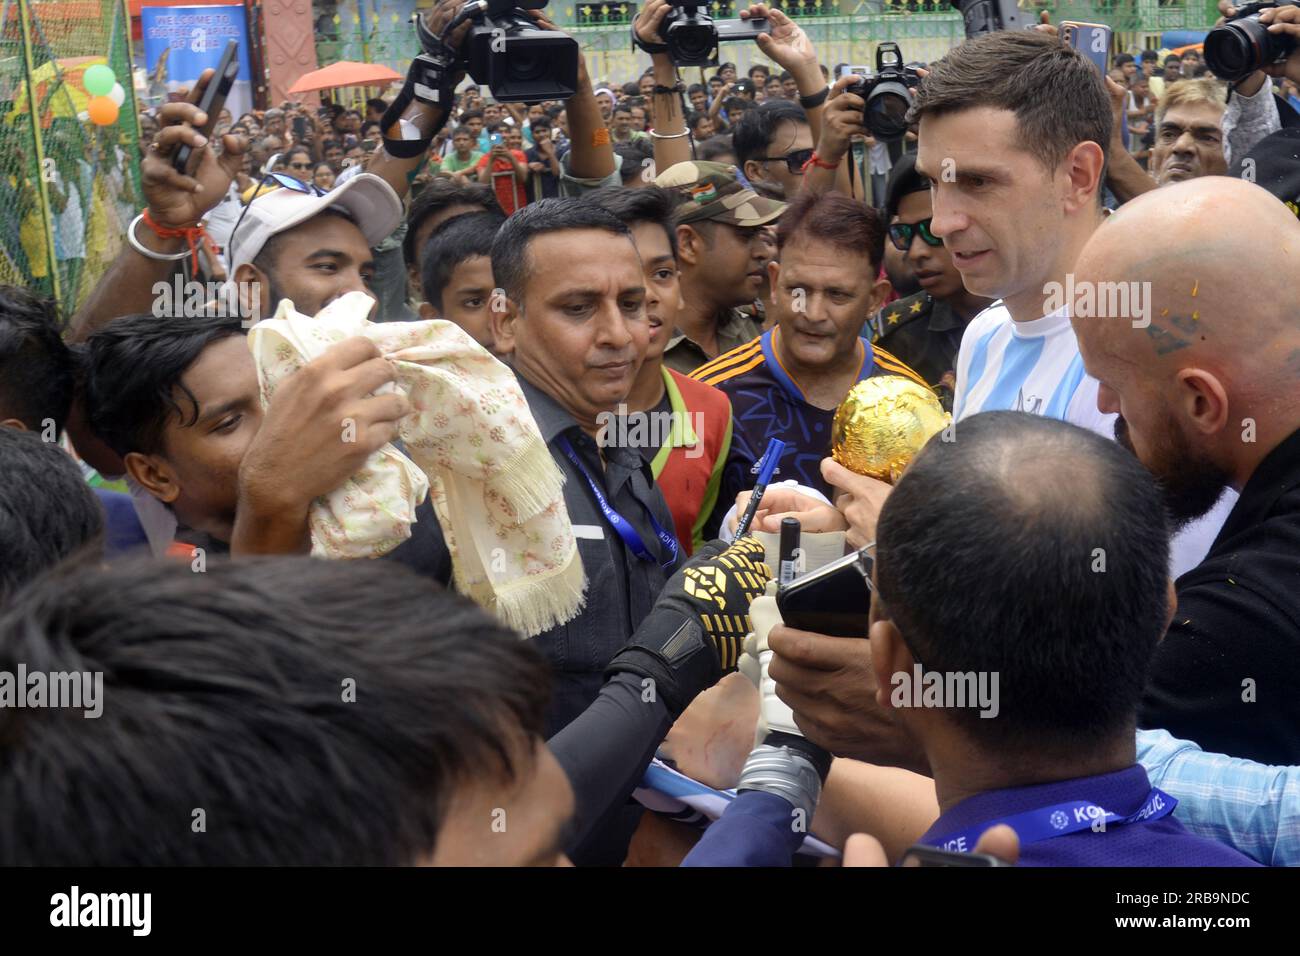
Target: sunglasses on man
[[280, 179], [794, 162], [901, 233]]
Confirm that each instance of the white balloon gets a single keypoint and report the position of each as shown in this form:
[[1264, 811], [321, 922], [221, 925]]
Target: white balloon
[[117, 94], [83, 116]]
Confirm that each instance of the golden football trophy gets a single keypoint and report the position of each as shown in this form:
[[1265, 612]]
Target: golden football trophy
[[882, 423]]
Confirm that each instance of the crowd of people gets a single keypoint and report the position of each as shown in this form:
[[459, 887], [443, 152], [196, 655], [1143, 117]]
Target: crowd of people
[[422, 540]]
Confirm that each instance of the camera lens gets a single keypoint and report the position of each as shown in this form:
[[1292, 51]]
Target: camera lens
[[887, 107], [692, 43], [526, 65], [1235, 50]]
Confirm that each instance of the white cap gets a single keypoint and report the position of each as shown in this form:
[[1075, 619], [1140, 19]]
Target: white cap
[[366, 199]]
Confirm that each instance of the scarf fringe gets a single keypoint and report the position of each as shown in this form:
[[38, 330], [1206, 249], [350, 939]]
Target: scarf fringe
[[536, 603], [530, 480]]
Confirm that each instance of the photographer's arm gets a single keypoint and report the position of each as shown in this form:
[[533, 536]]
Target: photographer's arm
[[789, 47], [671, 145], [843, 120], [419, 119]]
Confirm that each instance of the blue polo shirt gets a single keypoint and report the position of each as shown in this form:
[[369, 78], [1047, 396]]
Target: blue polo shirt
[[1158, 842]]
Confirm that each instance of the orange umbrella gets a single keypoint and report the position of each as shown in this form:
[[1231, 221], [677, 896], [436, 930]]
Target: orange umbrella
[[345, 73]]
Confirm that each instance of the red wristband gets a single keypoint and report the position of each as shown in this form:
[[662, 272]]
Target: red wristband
[[815, 160], [194, 235]]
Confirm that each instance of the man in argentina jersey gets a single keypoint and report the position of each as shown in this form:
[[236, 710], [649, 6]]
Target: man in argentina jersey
[[1013, 136]]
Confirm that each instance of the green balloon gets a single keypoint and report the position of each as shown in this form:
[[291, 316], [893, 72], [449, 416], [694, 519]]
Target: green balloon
[[99, 80]]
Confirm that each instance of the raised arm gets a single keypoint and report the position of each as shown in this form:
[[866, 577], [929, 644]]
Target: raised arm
[[423, 106], [671, 139], [173, 201]]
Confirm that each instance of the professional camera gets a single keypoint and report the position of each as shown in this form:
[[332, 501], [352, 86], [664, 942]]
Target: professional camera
[[509, 53], [692, 37], [887, 91], [990, 16], [1243, 44]]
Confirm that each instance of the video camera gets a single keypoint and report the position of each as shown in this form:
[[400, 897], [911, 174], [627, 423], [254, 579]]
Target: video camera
[[887, 91], [692, 37], [509, 53], [990, 16], [1243, 45]]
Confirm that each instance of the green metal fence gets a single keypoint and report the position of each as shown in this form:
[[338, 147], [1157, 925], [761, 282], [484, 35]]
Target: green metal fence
[[67, 187]]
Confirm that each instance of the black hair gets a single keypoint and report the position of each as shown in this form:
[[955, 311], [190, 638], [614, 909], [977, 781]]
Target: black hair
[[697, 88], [37, 370], [454, 241], [1150, 55], [510, 265], [651, 204], [443, 193], [715, 146], [903, 181], [622, 107], [250, 692], [47, 511], [133, 365], [757, 68], [695, 119], [634, 155], [753, 132], [786, 76], [1059, 588], [469, 115], [1122, 58], [377, 102]]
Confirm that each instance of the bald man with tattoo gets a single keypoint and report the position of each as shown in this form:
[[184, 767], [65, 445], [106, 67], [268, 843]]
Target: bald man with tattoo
[[1208, 397]]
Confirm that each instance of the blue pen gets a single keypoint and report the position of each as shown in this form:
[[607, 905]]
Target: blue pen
[[766, 467]]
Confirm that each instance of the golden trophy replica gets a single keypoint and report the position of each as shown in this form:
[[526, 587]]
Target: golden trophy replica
[[882, 423]]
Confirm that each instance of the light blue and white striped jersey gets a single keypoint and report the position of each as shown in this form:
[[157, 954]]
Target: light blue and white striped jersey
[[1032, 367], [1036, 367]]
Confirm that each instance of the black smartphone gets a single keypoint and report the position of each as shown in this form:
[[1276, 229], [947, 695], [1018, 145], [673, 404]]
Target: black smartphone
[[918, 855], [299, 128], [212, 102], [834, 600]]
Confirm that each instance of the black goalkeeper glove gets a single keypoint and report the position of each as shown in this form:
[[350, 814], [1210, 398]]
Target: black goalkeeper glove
[[694, 633]]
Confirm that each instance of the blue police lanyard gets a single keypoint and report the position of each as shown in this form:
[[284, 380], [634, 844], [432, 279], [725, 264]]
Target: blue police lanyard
[[620, 524], [1059, 820]]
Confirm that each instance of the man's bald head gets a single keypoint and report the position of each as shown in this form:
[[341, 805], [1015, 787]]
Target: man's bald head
[[1204, 378]]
